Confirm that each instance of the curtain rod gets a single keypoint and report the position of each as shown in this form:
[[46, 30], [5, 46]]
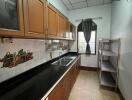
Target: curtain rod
[[95, 18]]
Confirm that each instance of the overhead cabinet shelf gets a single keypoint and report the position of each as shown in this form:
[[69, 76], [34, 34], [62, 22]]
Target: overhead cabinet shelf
[[107, 80]]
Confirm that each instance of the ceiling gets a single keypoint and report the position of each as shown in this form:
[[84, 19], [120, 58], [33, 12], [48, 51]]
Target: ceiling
[[78, 4]]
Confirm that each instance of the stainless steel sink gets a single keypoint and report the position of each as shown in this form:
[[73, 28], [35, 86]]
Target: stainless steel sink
[[65, 61]]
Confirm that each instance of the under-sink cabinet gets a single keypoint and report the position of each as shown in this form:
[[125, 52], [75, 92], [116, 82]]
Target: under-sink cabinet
[[63, 88]]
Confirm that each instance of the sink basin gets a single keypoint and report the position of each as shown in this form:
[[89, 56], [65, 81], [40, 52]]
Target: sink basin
[[65, 61]]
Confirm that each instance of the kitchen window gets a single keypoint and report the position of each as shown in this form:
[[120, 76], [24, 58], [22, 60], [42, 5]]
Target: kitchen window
[[82, 42]]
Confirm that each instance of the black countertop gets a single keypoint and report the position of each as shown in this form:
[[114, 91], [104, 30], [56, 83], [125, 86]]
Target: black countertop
[[33, 84]]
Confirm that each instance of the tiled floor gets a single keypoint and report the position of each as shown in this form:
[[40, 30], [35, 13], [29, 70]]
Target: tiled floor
[[87, 88]]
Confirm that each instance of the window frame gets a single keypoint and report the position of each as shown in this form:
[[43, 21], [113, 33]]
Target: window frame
[[95, 44]]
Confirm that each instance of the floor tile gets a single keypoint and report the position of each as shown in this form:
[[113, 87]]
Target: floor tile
[[87, 88]]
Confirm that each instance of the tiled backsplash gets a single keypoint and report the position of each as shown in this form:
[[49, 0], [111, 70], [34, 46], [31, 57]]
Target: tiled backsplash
[[38, 48]]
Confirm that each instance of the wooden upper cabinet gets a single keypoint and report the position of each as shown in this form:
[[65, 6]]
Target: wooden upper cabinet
[[11, 18], [34, 14], [67, 26], [73, 31], [62, 26], [52, 21], [58, 25]]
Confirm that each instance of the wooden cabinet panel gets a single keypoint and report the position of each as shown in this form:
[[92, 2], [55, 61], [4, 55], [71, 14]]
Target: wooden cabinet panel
[[11, 18], [68, 26], [58, 92], [73, 76], [52, 22], [58, 24], [68, 32], [34, 11], [60, 33], [64, 25], [63, 89], [67, 85], [73, 31]]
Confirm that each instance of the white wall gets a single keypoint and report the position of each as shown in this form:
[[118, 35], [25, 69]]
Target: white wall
[[36, 46], [121, 27], [103, 26], [60, 6]]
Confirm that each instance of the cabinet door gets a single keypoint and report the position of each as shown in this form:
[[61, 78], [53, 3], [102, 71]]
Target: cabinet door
[[67, 26], [68, 33], [63, 89], [61, 26], [64, 27], [67, 85], [74, 74], [58, 92], [71, 77], [52, 22], [11, 18], [78, 63], [34, 11], [58, 25]]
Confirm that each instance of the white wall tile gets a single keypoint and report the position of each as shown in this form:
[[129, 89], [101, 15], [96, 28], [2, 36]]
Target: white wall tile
[[39, 52]]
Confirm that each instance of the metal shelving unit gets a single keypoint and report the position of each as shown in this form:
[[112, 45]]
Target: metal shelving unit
[[108, 55], [107, 80], [107, 67]]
